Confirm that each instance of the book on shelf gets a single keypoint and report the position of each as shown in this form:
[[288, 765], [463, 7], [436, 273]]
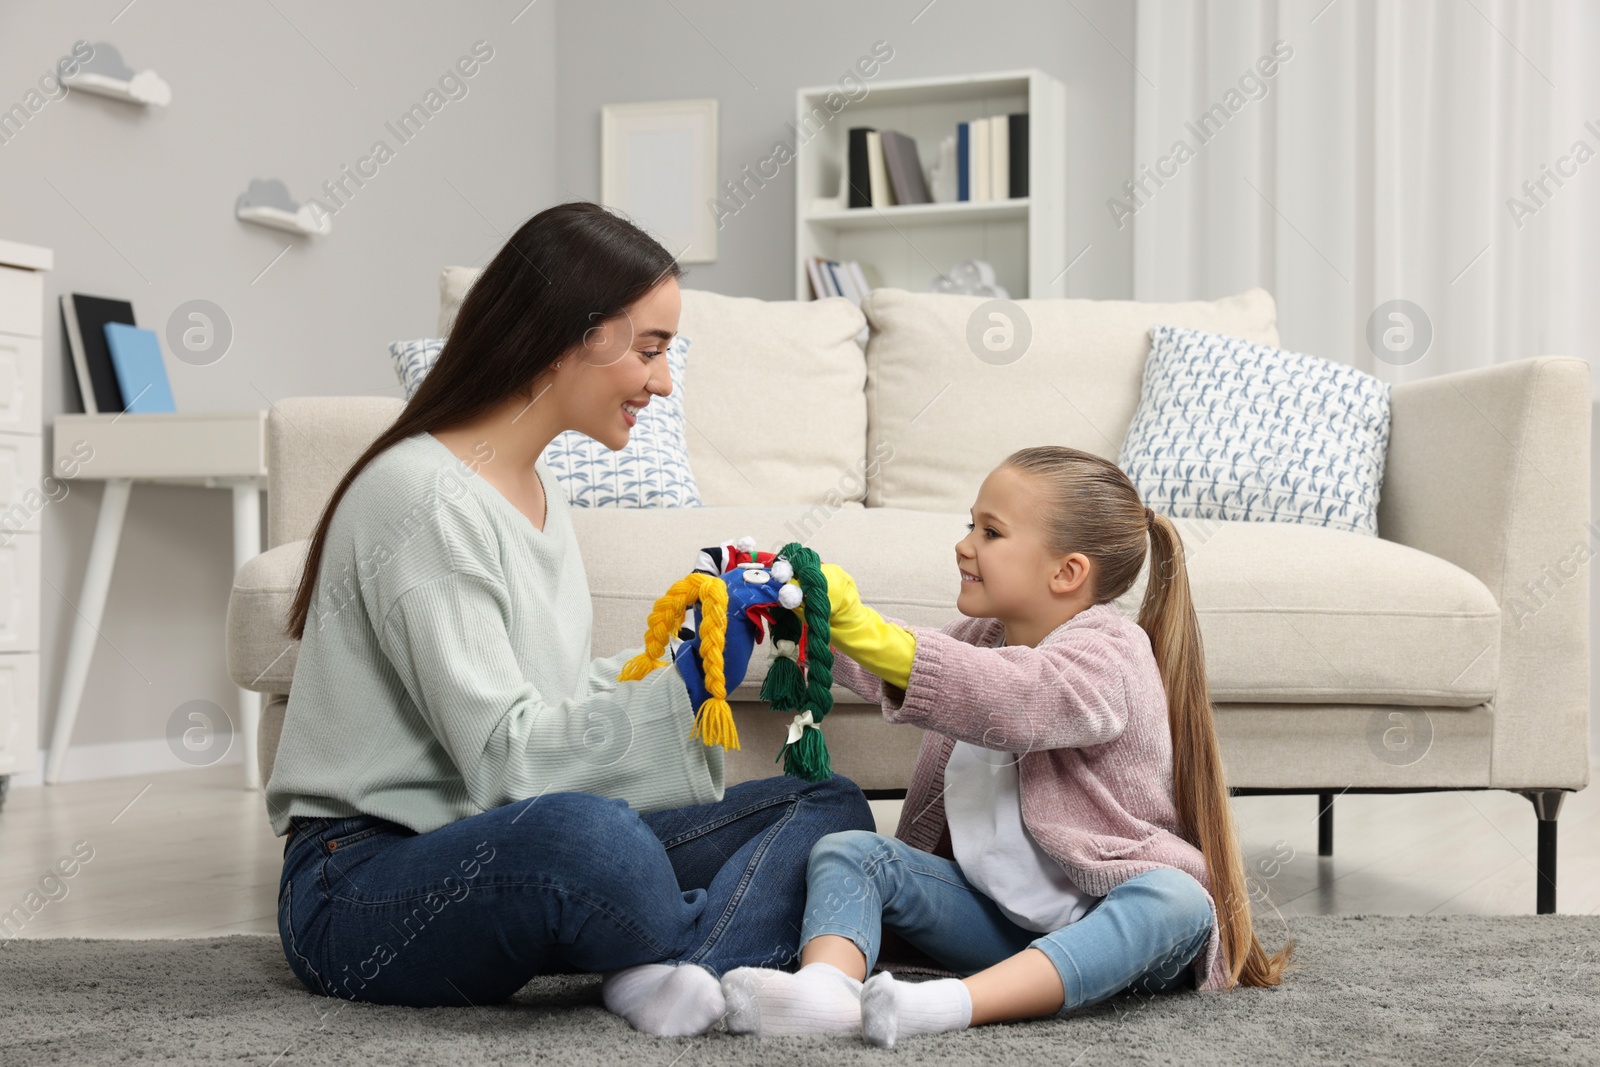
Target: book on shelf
[[832, 277], [877, 173], [835, 277], [963, 164], [1017, 139], [856, 168], [84, 318], [846, 282], [905, 168], [814, 269], [982, 169], [136, 356], [999, 158]]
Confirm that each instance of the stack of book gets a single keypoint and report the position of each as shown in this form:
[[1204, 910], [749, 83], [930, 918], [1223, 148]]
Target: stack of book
[[118, 364], [989, 156], [830, 277]]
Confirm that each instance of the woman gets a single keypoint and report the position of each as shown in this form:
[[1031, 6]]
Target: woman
[[469, 800]]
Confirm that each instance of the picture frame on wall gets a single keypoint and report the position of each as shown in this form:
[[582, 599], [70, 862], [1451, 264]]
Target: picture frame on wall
[[658, 165]]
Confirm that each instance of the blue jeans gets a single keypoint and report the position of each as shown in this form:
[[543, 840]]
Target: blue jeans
[[466, 914], [1146, 931]]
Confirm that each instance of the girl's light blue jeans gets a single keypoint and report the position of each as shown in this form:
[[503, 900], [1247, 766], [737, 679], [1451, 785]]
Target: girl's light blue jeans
[[1143, 934]]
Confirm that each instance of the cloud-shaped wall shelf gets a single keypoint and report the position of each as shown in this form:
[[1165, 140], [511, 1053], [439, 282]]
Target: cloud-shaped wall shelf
[[268, 203], [105, 74]]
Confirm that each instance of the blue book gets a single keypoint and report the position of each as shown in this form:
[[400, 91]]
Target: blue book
[[136, 357], [963, 149]]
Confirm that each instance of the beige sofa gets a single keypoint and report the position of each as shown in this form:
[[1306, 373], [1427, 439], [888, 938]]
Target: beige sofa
[[1450, 652]]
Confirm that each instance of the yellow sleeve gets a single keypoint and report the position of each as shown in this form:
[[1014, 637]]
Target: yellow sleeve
[[864, 635]]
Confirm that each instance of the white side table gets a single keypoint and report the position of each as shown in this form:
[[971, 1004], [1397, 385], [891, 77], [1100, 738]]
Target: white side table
[[211, 449]]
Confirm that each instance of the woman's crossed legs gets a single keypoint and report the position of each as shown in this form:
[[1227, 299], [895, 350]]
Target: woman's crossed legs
[[468, 913]]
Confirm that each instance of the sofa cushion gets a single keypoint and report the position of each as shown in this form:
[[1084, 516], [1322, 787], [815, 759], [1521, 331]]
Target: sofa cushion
[[1227, 429], [778, 412], [1288, 614], [1077, 383]]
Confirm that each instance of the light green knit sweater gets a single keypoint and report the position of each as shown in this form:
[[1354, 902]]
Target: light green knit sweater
[[445, 668]]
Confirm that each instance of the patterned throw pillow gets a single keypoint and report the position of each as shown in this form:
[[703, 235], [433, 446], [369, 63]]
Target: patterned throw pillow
[[650, 471], [1229, 429]]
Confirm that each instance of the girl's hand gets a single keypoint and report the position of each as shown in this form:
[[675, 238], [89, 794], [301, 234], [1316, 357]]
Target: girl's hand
[[865, 636], [843, 597]]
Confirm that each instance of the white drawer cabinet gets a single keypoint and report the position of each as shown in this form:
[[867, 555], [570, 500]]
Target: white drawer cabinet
[[19, 710], [21, 363], [24, 491]]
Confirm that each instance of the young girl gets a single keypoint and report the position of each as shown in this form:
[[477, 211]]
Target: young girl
[[1051, 848]]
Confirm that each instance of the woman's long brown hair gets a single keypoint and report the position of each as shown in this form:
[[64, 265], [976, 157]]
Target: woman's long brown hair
[[1095, 509], [566, 270]]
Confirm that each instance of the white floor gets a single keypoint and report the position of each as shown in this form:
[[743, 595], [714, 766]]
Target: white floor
[[190, 854]]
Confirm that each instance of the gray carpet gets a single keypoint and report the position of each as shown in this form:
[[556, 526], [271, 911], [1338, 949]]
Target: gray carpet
[[1467, 991]]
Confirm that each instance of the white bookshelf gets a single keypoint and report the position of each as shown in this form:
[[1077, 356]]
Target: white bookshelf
[[909, 245]]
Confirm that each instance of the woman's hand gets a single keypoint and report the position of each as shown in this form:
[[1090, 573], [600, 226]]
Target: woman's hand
[[743, 633], [865, 636]]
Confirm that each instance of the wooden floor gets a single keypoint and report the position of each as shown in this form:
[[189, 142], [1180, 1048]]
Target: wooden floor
[[190, 854]]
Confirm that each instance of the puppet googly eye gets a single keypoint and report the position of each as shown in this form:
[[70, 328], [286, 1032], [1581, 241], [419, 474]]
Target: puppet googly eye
[[757, 577]]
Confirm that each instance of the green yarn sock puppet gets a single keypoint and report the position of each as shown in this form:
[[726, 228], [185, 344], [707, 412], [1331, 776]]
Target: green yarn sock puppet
[[808, 691]]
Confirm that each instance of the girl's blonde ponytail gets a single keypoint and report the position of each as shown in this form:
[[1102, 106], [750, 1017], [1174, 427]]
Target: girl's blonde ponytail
[[1198, 785]]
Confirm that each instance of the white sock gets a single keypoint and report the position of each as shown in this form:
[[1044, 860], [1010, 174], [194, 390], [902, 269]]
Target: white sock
[[663, 999], [891, 1009], [817, 999]]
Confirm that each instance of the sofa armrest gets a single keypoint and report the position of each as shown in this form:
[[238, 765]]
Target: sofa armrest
[[1489, 469], [261, 655]]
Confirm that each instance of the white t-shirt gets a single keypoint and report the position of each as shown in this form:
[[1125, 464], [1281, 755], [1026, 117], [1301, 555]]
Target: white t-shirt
[[994, 849]]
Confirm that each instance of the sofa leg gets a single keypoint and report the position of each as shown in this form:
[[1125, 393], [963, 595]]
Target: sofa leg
[[1324, 824], [1546, 805]]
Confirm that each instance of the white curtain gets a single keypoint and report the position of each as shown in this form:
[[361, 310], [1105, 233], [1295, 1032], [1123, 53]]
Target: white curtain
[[1379, 161]]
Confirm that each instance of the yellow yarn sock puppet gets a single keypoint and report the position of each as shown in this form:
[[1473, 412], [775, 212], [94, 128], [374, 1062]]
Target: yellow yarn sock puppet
[[713, 722], [801, 678]]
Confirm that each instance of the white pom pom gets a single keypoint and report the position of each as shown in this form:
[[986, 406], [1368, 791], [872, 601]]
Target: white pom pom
[[745, 544], [790, 596], [782, 570]]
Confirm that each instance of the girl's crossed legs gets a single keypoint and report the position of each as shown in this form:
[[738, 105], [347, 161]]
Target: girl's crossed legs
[[1144, 933]]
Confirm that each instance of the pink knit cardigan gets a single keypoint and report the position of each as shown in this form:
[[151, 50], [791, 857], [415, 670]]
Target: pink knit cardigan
[[1086, 710]]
